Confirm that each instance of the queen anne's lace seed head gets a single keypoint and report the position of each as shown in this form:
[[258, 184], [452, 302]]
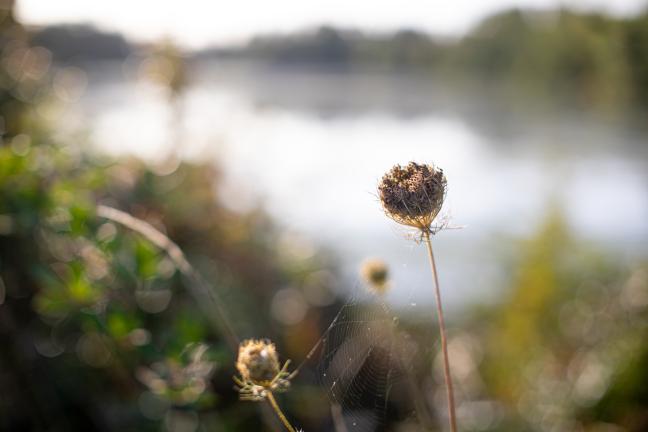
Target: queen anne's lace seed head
[[257, 361], [413, 195], [258, 366]]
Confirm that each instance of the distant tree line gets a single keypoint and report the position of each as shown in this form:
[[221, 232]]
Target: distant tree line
[[337, 48], [590, 59], [80, 42]]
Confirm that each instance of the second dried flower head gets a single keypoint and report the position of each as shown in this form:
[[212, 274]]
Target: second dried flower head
[[413, 195], [258, 364], [375, 273]]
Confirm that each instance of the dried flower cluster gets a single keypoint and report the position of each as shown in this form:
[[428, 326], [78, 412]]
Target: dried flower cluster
[[258, 364], [413, 195], [257, 360], [375, 273]]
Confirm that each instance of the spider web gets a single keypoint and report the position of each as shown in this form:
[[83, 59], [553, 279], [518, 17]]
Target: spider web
[[363, 367]]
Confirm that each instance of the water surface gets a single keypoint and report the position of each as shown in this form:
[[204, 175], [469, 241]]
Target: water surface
[[310, 145]]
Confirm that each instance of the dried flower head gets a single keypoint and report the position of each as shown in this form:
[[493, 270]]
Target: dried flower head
[[258, 364], [257, 360], [413, 195], [375, 273]]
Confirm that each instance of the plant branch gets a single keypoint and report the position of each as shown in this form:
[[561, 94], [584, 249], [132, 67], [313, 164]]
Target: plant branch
[[200, 289]]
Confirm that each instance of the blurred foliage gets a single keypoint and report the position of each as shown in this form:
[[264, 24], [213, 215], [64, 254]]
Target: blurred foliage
[[83, 292], [96, 324], [566, 348], [584, 60], [166, 66]]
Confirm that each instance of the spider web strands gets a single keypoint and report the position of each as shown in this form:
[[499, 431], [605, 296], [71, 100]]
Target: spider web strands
[[358, 366], [317, 345], [396, 350], [362, 365], [338, 419], [422, 410]]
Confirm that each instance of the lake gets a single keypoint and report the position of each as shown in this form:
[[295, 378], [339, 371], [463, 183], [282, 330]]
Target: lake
[[310, 145]]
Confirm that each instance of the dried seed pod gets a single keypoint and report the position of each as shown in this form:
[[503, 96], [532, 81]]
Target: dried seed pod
[[257, 361], [413, 195], [258, 365], [375, 273]]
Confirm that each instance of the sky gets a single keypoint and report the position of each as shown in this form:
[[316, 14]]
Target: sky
[[197, 23]]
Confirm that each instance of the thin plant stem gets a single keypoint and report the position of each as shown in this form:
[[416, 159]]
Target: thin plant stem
[[201, 290], [444, 344], [280, 414]]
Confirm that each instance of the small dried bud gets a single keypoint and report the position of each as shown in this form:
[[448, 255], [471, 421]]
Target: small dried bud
[[375, 272], [413, 195], [257, 361]]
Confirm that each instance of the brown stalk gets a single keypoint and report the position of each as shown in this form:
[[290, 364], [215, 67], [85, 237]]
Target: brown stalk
[[444, 344]]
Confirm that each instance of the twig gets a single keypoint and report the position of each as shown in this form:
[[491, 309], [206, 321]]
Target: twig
[[199, 288]]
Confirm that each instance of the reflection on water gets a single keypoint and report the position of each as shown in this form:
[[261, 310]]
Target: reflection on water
[[311, 146]]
